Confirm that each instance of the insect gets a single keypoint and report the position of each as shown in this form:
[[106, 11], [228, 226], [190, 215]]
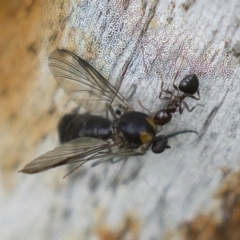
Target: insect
[[74, 126], [189, 85], [92, 137]]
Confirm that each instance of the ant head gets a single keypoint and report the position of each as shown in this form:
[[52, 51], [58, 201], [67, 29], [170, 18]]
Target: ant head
[[189, 84], [160, 143]]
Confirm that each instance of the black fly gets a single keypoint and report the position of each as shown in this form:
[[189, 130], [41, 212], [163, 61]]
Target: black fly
[[93, 137]]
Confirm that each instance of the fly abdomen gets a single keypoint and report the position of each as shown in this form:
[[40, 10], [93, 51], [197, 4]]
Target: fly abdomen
[[74, 126]]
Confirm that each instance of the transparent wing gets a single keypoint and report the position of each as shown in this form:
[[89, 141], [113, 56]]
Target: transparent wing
[[79, 150], [83, 83]]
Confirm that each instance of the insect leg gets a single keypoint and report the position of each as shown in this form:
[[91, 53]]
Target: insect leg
[[75, 168], [125, 160], [166, 91], [149, 113], [118, 160], [120, 79], [159, 130], [132, 92], [195, 97], [180, 109], [174, 80], [187, 107], [165, 98], [112, 112], [122, 153]]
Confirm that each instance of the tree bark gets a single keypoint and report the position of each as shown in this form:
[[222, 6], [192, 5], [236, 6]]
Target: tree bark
[[179, 194]]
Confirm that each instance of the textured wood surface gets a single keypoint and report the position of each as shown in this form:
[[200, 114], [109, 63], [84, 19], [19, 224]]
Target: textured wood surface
[[190, 191]]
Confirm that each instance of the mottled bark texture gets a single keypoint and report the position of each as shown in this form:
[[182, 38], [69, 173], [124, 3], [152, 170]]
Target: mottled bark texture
[[182, 193]]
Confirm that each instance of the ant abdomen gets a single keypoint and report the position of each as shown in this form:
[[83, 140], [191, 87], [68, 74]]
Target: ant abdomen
[[189, 84], [162, 117]]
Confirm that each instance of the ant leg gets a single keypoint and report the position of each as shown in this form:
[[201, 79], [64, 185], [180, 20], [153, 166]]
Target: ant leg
[[165, 98], [149, 113], [187, 107], [174, 80], [180, 108], [195, 97], [166, 91]]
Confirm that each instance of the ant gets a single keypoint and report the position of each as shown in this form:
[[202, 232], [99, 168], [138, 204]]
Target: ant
[[188, 86]]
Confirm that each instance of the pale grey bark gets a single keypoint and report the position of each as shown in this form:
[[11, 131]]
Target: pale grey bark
[[159, 192]]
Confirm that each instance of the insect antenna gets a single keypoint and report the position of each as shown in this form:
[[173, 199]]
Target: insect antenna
[[181, 132]]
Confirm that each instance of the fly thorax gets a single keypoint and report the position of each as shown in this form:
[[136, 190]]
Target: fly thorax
[[136, 128]]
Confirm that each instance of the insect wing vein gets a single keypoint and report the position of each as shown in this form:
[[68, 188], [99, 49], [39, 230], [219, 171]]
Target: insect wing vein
[[78, 150], [83, 83]]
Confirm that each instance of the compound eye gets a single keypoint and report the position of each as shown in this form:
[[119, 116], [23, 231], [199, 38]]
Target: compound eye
[[118, 112], [160, 143], [189, 84]]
